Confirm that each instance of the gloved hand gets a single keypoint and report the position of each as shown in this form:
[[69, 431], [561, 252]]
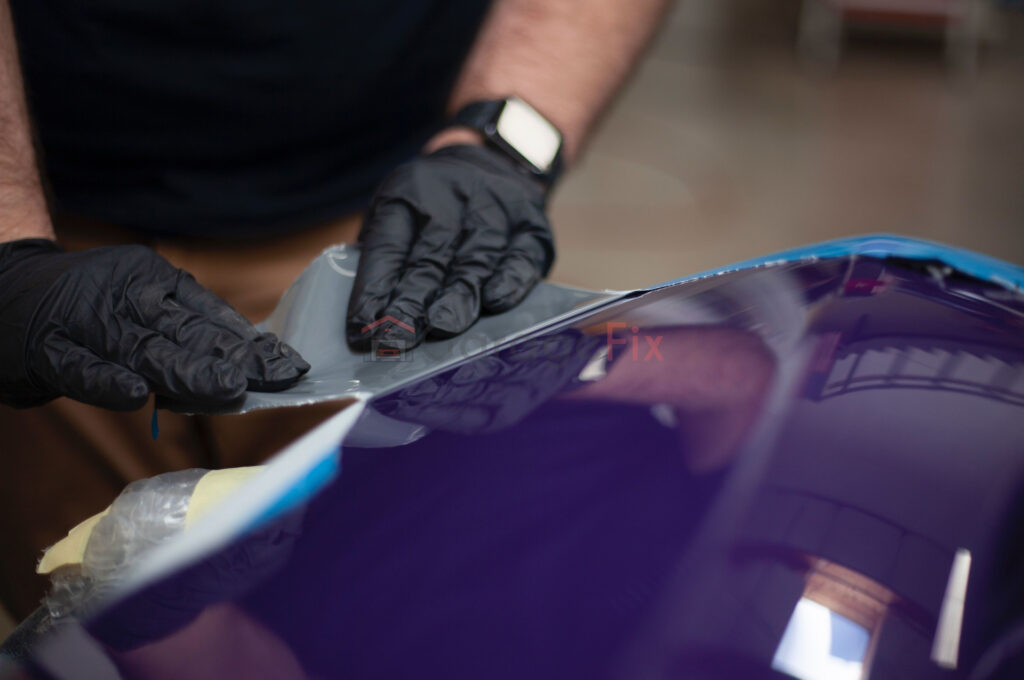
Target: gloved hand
[[447, 236], [109, 325]]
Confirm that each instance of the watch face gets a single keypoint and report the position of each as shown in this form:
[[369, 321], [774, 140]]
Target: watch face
[[529, 133]]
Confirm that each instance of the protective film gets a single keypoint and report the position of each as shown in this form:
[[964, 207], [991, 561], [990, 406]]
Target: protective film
[[311, 318]]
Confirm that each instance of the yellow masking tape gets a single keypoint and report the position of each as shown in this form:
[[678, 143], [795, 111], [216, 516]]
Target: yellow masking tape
[[70, 549], [214, 486], [209, 490]]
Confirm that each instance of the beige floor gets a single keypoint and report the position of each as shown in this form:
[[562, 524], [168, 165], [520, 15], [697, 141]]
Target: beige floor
[[723, 147]]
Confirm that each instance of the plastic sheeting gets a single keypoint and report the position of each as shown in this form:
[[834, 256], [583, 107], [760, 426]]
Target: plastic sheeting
[[311, 318]]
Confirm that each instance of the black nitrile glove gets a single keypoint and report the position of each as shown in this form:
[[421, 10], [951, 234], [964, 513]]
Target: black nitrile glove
[[107, 326], [447, 236]]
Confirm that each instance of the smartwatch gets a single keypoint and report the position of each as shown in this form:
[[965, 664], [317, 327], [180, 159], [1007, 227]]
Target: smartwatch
[[516, 129]]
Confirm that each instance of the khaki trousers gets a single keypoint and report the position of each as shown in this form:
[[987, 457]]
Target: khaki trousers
[[65, 461]]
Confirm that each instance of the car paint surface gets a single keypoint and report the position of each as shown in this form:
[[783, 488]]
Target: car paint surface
[[672, 486]]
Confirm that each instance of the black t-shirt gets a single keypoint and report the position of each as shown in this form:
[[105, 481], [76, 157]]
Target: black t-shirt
[[225, 117]]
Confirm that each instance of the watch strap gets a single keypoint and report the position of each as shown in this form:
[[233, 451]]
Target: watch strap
[[478, 115]]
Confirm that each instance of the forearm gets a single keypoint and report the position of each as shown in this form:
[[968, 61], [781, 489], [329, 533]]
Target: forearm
[[23, 212], [566, 58]]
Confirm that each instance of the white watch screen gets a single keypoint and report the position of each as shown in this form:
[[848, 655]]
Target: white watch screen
[[529, 133]]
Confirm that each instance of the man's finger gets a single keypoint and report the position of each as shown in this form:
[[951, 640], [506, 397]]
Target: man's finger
[[269, 364], [386, 240], [457, 305], [525, 263], [404, 321], [176, 372], [85, 377], [194, 296], [194, 330]]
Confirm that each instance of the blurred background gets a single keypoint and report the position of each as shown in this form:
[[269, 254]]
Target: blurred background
[[757, 125]]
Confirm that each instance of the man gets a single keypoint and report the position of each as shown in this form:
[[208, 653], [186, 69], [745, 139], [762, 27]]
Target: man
[[235, 139]]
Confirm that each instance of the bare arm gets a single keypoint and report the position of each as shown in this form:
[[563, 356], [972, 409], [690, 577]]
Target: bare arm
[[23, 212], [567, 58]]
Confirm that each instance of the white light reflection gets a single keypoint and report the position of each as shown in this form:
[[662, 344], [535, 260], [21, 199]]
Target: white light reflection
[[946, 646], [820, 644]]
